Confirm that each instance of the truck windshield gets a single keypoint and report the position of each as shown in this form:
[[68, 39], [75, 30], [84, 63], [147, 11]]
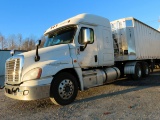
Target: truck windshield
[[61, 36]]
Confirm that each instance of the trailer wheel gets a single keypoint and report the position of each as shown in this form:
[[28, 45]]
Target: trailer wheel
[[64, 89], [138, 72], [145, 69]]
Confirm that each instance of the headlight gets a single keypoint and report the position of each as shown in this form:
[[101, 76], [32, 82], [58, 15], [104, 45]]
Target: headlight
[[33, 74]]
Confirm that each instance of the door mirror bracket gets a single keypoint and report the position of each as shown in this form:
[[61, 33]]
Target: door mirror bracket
[[37, 57], [82, 48]]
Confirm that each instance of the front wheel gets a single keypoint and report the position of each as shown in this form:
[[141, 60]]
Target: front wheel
[[64, 89]]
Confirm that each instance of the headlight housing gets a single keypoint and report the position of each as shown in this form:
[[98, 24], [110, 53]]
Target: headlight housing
[[33, 74]]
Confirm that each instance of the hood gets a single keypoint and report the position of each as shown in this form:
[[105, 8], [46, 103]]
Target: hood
[[49, 53]]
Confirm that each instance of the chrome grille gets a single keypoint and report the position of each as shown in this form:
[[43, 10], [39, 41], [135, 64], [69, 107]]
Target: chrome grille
[[13, 70]]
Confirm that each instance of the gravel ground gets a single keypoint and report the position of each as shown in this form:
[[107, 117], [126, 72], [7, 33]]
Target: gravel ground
[[123, 99]]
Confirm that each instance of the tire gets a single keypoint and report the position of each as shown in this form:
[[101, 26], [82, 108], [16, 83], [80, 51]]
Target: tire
[[138, 72], [145, 69], [64, 89], [152, 66], [129, 76]]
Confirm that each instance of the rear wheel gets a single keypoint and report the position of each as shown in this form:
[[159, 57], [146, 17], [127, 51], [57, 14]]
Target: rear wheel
[[64, 89], [145, 69], [129, 76], [138, 72]]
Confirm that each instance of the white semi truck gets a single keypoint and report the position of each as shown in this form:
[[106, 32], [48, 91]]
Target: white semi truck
[[82, 52]]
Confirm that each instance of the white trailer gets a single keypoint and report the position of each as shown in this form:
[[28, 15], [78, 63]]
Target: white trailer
[[4, 55], [81, 53], [135, 40]]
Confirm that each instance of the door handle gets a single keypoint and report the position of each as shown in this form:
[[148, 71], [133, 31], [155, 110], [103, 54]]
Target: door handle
[[95, 58]]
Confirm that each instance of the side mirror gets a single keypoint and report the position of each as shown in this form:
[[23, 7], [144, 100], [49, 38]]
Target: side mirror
[[86, 35], [86, 38], [12, 52]]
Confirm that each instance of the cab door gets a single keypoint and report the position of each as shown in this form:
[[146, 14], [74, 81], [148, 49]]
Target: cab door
[[87, 47]]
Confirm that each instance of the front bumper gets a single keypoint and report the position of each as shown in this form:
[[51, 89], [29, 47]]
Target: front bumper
[[27, 92]]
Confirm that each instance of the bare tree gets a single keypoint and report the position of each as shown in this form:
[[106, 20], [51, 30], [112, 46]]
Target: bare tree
[[25, 44], [19, 37], [16, 42], [28, 44], [12, 42], [3, 42], [31, 44]]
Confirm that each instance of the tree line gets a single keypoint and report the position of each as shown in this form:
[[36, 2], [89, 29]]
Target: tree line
[[16, 42]]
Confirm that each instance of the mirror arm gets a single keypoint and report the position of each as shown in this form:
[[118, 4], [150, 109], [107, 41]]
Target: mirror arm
[[37, 57], [82, 48]]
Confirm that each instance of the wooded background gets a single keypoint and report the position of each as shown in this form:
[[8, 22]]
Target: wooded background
[[17, 42]]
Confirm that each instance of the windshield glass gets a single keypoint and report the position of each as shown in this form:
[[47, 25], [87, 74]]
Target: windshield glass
[[61, 36]]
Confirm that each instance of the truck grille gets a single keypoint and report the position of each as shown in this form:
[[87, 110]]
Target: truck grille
[[13, 70]]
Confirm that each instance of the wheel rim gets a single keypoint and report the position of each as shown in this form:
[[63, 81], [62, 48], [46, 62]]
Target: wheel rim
[[66, 89], [147, 71], [139, 73]]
